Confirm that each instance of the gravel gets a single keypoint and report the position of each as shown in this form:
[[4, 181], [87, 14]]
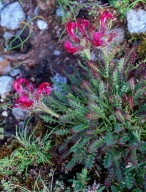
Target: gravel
[[12, 15]]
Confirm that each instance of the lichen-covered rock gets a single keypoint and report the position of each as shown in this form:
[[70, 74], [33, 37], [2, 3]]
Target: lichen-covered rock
[[136, 21], [5, 85], [12, 15]]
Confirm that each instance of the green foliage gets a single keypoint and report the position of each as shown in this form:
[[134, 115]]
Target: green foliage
[[71, 8], [102, 120], [79, 184], [31, 151], [125, 5], [1, 133]]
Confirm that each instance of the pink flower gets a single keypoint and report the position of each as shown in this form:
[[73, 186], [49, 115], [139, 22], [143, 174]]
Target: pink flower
[[70, 48], [20, 82], [70, 26], [28, 96], [80, 26], [44, 88], [97, 41], [24, 102], [103, 17]]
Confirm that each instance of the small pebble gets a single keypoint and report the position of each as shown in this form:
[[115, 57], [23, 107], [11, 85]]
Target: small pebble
[[15, 72], [5, 114], [57, 52], [42, 25], [8, 35]]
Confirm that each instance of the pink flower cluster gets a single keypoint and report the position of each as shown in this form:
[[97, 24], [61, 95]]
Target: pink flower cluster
[[82, 33], [29, 97]]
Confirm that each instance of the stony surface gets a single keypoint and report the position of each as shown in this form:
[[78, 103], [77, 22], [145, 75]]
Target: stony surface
[[136, 21], [12, 15], [42, 25], [5, 85]]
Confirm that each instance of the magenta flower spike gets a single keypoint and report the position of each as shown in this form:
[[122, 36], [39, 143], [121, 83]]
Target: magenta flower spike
[[70, 26], [44, 88], [103, 17], [30, 98], [97, 41], [82, 24], [27, 95], [20, 82], [24, 102], [70, 48]]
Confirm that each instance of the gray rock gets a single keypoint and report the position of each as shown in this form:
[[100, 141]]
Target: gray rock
[[60, 80], [19, 113], [60, 12], [8, 35], [5, 85], [57, 52], [1, 6], [15, 72], [42, 25], [12, 15], [136, 21]]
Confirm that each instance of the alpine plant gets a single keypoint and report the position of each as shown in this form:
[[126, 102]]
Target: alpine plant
[[83, 35]]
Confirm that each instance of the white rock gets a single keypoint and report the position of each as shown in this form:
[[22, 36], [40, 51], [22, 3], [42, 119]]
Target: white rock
[[8, 35], [15, 72], [5, 85], [5, 114], [42, 25], [57, 52], [136, 21], [19, 113], [12, 15]]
